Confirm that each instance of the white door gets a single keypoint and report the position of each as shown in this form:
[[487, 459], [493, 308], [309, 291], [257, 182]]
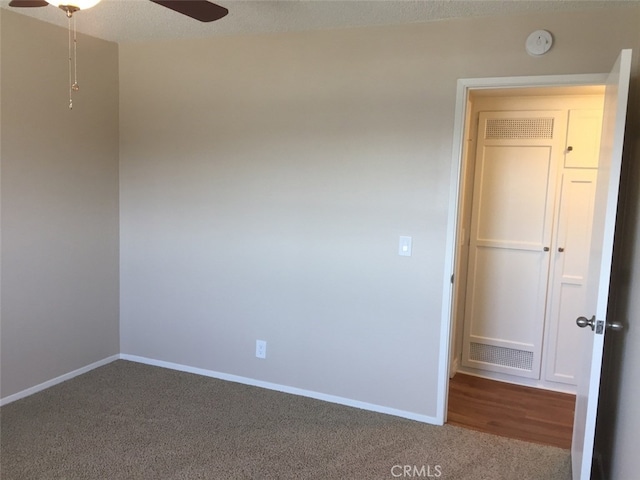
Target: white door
[[516, 171], [568, 284], [615, 109]]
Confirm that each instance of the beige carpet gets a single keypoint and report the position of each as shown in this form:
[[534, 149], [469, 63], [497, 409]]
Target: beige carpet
[[132, 421]]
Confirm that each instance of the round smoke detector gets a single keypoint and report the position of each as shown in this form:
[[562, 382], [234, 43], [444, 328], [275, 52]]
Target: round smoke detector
[[539, 43]]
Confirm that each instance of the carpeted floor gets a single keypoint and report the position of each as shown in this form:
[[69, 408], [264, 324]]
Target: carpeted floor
[[133, 421]]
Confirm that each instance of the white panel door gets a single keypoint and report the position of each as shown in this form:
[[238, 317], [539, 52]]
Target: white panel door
[[567, 286], [516, 169], [606, 203]]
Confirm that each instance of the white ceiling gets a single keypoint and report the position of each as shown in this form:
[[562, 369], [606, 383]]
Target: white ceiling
[[140, 20]]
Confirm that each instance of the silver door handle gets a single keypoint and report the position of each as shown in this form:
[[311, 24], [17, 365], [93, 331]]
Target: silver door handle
[[615, 326], [586, 322], [591, 322]]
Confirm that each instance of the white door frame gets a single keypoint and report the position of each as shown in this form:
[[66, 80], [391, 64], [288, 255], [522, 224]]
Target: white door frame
[[465, 86]]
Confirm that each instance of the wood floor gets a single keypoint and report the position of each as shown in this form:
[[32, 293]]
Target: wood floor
[[513, 411]]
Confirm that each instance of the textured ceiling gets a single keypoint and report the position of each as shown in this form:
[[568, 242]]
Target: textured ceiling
[[139, 20]]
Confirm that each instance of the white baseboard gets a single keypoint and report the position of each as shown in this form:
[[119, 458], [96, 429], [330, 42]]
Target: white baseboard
[[223, 376], [525, 382], [57, 380], [283, 388]]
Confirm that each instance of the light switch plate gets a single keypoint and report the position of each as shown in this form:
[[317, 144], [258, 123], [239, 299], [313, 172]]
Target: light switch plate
[[404, 248]]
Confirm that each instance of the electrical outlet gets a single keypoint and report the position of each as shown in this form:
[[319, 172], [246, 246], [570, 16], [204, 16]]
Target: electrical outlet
[[261, 349]]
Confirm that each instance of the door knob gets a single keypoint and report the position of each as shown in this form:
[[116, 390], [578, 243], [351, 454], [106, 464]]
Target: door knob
[[584, 322], [615, 326]]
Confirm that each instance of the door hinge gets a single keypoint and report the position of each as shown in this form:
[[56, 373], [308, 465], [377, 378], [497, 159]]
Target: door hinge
[[599, 327], [452, 275]]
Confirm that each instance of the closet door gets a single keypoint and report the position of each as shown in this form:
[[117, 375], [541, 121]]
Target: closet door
[[567, 286], [517, 162]]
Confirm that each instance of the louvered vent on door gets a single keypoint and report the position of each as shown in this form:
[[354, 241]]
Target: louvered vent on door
[[519, 128], [506, 357]]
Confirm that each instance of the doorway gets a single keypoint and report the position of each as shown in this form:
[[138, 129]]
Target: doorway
[[527, 184], [525, 211]]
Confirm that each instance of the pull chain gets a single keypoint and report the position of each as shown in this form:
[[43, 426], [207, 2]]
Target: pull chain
[[73, 71], [75, 87], [70, 76]]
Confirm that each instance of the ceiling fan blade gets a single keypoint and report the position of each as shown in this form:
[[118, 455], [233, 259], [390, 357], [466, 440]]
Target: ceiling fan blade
[[202, 10], [27, 3]]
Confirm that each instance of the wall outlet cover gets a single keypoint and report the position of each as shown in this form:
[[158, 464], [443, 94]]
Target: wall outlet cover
[[261, 349]]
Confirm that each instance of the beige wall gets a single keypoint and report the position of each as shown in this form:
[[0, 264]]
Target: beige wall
[[0, 201], [59, 204], [265, 181]]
